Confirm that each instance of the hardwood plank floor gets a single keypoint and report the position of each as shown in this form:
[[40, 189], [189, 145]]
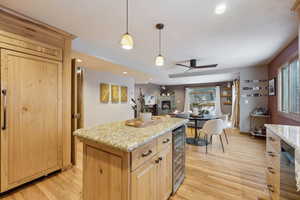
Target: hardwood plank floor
[[237, 174]]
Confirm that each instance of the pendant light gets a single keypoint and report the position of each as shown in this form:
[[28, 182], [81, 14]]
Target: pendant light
[[127, 40], [159, 60]]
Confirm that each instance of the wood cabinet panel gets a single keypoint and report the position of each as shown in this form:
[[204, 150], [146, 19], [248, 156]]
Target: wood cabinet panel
[[144, 182], [19, 43], [31, 143], [273, 141], [103, 175], [273, 149], [164, 174]]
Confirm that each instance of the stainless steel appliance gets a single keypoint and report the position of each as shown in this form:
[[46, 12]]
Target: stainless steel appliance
[[288, 189], [178, 157]]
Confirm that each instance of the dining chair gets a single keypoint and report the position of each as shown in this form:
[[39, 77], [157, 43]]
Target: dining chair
[[211, 128], [227, 125]]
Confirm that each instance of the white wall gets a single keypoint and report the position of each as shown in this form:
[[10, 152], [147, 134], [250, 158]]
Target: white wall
[[147, 89], [248, 104], [95, 112]]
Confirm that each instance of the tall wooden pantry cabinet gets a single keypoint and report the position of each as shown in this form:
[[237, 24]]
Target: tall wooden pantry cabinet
[[35, 91]]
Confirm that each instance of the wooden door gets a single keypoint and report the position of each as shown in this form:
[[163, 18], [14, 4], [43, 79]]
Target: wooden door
[[144, 182], [103, 175], [164, 174], [31, 117]]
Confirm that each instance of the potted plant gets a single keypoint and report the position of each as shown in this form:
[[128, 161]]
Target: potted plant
[[145, 115]]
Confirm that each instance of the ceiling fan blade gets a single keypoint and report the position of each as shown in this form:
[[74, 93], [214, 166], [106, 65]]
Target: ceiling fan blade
[[182, 65], [206, 66], [188, 69]]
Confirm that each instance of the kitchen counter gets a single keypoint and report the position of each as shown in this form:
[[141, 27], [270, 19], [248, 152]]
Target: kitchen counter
[[289, 134], [127, 138]]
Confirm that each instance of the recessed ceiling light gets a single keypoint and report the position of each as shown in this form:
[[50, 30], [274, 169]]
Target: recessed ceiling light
[[125, 72], [78, 60], [220, 8]]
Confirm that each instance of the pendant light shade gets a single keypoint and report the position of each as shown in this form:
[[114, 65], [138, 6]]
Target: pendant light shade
[[127, 40], [159, 60]]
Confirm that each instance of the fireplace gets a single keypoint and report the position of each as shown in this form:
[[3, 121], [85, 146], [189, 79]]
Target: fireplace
[[166, 105]]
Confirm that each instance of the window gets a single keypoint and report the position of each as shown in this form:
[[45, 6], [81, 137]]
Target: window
[[289, 88], [203, 99]]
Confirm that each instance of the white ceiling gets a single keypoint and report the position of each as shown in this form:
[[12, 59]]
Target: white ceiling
[[250, 33]]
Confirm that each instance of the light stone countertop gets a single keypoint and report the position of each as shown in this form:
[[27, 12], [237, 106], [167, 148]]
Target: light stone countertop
[[289, 134], [127, 138]]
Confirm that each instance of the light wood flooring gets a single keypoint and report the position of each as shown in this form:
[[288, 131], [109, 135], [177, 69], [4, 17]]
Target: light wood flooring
[[237, 174]]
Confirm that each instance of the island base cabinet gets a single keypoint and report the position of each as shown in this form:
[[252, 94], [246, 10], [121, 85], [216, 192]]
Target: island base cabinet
[[113, 174], [102, 175], [153, 179]]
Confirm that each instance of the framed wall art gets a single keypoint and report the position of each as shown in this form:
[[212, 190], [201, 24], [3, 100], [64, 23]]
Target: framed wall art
[[115, 93], [104, 92], [124, 94], [272, 87]]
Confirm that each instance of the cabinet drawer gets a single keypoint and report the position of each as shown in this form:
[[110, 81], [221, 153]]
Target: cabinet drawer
[[273, 159], [164, 141], [273, 141], [273, 182], [142, 154]]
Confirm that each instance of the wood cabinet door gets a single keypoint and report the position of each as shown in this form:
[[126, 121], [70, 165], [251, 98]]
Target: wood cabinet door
[[102, 174], [164, 174], [31, 117], [144, 182]]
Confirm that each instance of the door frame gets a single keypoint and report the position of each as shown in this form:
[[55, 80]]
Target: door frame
[[77, 105]]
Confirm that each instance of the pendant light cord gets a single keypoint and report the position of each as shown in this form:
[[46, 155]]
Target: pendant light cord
[[127, 16], [159, 41]]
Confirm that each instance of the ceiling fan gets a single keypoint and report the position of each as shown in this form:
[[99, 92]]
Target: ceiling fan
[[192, 64]]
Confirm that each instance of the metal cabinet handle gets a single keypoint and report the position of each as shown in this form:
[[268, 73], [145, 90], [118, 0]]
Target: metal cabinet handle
[[158, 160], [147, 153], [271, 154], [166, 141], [271, 139], [271, 188], [4, 93], [76, 116], [271, 170]]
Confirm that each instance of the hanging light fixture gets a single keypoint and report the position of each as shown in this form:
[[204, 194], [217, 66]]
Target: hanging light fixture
[[159, 60], [127, 40]]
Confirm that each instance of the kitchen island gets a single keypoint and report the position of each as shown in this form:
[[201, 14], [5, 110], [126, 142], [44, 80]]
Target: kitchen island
[[128, 163]]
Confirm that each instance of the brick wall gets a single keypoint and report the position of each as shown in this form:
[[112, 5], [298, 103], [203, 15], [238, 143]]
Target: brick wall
[[274, 65]]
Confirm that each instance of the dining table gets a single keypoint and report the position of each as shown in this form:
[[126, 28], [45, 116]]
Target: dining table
[[197, 140]]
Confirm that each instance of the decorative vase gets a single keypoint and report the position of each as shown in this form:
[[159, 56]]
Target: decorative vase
[[147, 116]]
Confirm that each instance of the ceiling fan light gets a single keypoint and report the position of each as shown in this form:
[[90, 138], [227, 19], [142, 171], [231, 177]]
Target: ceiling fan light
[[127, 41], [159, 60]]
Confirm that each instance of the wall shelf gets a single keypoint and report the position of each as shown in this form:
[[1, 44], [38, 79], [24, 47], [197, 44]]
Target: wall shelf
[[226, 95]]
